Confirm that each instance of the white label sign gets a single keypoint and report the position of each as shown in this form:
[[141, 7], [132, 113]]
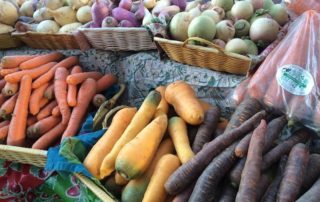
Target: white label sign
[[295, 79]]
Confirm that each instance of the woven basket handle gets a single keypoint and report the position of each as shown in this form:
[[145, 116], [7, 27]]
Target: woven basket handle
[[203, 41]]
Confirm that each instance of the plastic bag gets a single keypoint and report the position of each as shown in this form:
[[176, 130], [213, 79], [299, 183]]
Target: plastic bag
[[297, 7], [289, 79]]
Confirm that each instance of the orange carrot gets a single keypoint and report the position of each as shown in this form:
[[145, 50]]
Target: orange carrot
[[31, 120], [46, 111], [2, 99], [41, 60], [8, 107], [49, 92], [76, 79], [60, 91], [10, 89], [36, 96], [48, 139], [17, 134], [5, 72], [42, 126], [72, 89], [56, 111], [86, 93], [105, 82], [33, 73], [2, 84], [43, 102], [4, 123], [4, 133], [14, 61], [45, 78], [251, 173]]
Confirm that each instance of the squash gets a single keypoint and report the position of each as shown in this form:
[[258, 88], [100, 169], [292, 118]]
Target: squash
[[163, 105], [143, 116], [165, 167], [120, 180], [104, 145], [135, 157], [178, 132], [135, 189], [184, 100]]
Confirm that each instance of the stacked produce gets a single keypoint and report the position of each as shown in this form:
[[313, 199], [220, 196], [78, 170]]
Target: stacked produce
[[241, 27], [8, 15], [57, 16], [45, 98], [128, 13], [138, 161]]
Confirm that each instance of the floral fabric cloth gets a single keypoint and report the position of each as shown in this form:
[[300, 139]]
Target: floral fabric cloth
[[25, 183]]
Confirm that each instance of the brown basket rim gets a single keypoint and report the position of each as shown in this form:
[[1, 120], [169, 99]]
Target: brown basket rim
[[23, 150], [116, 29], [39, 33], [202, 48], [6, 34]]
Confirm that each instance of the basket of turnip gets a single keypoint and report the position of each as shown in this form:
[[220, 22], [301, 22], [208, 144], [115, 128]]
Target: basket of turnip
[[8, 16], [53, 24], [118, 26], [224, 36]]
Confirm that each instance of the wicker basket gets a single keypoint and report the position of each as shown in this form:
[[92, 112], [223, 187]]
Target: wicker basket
[[38, 158], [7, 41], [23, 155], [51, 41], [119, 39], [95, 189], [212, 57]]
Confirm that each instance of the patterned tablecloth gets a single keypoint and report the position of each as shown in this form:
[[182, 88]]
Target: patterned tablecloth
[[144, 70]]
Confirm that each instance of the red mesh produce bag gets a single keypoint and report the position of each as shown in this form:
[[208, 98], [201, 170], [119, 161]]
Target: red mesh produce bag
[[289, 79], [298, 7]]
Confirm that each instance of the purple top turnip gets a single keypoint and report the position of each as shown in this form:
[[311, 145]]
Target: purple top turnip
[[99, 11]]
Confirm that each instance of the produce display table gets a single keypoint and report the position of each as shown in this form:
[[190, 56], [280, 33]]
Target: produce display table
[[144, 70], [140, 72]]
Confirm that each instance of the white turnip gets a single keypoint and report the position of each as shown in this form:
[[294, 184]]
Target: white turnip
[[212, 14], [5, 28], [252, 47], [48, 26], [225, 30], [70, 28], [264, 31], [27, 9], [237, 46], [279, 14], [242, 28], [220, 11], [8, 13], [225, 4], [41, 15], [257, 4], [242, 10], [84, 14], [179, 26]]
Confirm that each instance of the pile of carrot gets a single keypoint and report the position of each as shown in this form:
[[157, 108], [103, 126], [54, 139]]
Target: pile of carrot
[[250, 162], [45, 98]]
